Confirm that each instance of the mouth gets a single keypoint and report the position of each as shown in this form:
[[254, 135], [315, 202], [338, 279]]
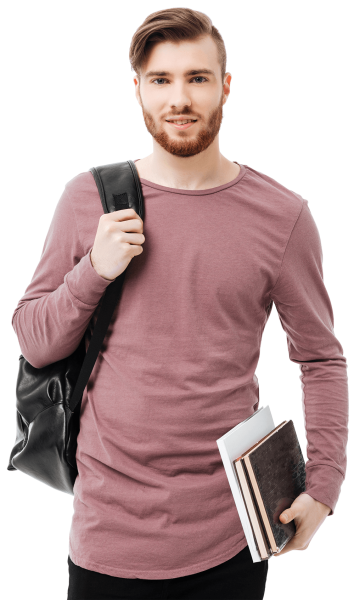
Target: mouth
[[182, 123]]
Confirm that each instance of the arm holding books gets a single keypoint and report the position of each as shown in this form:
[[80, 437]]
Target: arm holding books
[[306, 316]]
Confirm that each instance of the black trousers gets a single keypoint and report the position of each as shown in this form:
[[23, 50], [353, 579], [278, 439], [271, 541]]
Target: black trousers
[[236, 579]]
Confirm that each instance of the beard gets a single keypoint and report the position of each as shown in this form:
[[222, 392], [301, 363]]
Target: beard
[[182, 146]]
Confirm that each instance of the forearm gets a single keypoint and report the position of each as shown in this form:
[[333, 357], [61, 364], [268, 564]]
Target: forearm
[[326, 409], [51, 326]]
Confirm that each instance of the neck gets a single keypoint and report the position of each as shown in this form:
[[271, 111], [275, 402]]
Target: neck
[[204, 170]]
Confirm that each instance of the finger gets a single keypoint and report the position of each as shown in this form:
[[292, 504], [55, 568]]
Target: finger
[[287, 515], [123, 214]]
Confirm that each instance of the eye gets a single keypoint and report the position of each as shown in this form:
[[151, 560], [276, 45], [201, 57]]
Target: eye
[[200, 77], [159, 79]]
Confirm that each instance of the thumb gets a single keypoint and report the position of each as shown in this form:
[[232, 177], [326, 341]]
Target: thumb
[[287, 515]]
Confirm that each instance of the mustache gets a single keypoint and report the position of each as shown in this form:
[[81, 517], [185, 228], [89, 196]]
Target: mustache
[[182, 113]]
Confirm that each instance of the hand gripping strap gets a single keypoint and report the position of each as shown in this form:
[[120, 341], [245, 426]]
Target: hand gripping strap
[[119, 188]]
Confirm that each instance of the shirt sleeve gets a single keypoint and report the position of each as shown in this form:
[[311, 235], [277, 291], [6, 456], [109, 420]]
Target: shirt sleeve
[[306, 315], [53, 314]]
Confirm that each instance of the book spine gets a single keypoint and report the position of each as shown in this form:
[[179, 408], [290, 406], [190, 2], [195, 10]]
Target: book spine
[[257, 528], [259, 503]]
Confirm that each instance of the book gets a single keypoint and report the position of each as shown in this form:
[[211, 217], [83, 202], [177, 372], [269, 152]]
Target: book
[[271, 475], [266, 472], [252, 507]]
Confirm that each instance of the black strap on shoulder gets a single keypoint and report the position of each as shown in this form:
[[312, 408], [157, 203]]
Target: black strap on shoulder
[[119, 188], [119, 182]]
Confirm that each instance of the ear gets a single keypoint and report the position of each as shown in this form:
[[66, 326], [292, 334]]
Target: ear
[[226, 86], [137, 89]]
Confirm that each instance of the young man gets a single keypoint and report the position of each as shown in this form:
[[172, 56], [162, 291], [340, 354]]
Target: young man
[[154, 516]]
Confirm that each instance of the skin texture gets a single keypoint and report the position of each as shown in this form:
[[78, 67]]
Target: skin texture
[[185, 159]]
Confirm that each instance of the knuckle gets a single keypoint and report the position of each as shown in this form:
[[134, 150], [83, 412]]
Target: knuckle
[[110, 227]]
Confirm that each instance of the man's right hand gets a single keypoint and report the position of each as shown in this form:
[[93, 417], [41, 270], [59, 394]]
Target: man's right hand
[[118, 238]]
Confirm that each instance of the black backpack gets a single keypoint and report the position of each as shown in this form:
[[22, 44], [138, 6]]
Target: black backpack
[[49, 399]]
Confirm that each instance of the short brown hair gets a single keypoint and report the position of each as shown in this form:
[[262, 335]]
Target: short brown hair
[[173, 24]]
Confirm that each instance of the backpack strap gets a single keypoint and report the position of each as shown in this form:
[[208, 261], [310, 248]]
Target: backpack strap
[[119, 188]]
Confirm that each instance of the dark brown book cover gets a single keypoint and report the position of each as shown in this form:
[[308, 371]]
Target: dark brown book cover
[[279, 470]]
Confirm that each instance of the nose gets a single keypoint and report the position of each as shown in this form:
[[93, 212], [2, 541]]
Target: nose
[[179, 98]]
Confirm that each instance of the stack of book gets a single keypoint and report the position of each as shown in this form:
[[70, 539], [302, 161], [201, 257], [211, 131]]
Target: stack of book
[[266, 472]]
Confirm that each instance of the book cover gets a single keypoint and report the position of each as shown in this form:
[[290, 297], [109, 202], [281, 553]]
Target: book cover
[[276, 470], [259, 521]]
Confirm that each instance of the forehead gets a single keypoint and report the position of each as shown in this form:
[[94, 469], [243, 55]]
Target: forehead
[[180, 57]]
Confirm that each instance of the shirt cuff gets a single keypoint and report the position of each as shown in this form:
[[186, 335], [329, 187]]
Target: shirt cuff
[[323, 483], [84, 283]]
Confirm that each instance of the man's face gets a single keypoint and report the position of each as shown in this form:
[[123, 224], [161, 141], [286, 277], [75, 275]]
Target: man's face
[[174, 84]]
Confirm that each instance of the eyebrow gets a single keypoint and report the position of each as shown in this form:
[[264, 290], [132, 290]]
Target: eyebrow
[[186, 74]]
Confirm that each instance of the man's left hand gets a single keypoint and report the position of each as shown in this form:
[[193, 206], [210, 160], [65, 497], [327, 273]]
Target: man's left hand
[[308, 515]]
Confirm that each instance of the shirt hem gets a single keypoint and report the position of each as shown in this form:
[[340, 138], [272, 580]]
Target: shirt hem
[[171, 574]]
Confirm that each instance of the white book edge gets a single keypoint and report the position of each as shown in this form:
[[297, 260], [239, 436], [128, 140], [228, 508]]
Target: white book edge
[[231, 445]]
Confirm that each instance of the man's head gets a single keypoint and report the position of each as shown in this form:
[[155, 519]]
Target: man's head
[[180, 61]]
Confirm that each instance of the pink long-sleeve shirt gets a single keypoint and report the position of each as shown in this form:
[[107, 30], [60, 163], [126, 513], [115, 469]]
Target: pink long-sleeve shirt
[[177, 367]]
